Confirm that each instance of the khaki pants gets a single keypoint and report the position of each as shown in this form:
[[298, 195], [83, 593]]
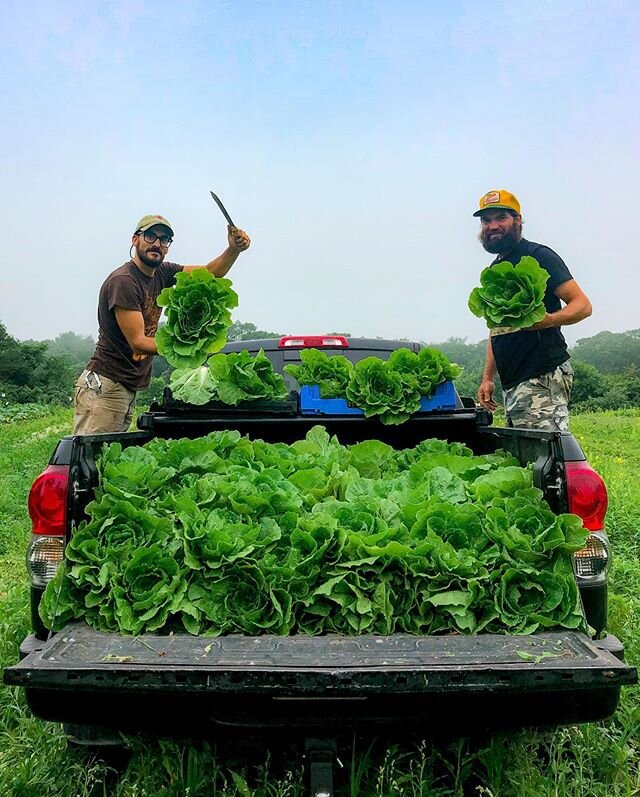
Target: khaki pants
[[541, 403], [102, 405]]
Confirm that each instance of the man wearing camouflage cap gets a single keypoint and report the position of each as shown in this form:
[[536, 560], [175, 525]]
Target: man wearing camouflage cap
[[533, 364], [128, 315]]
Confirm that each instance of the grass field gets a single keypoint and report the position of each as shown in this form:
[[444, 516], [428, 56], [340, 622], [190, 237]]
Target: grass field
[[595, 760]]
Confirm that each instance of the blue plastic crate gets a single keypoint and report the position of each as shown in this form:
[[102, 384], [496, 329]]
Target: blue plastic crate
[[312, 404], [443, 398]]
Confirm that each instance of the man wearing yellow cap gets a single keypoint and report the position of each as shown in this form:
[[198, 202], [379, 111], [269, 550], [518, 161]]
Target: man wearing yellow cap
[[533, 364], [128, 316]]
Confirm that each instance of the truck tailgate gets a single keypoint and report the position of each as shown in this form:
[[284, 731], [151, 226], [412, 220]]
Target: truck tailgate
[[555, 676]]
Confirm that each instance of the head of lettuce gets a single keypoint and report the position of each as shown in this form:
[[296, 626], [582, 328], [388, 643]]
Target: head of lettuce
[[511, 295], [198, 316]]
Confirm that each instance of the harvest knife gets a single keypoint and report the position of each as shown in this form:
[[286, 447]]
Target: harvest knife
[[222, 208]]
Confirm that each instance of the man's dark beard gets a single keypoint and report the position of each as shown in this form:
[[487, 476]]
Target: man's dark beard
[[148, 261], [500, 245]]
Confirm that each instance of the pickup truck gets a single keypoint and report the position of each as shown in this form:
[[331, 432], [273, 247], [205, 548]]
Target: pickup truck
[[99, 683]]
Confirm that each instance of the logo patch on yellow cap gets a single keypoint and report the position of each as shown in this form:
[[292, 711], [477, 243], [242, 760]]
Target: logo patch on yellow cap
[[492, 198]]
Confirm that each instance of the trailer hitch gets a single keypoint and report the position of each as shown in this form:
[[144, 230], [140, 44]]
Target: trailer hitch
[[321, 756]]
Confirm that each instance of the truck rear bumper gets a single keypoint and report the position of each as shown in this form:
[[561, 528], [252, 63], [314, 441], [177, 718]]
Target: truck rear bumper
[[181, 684]]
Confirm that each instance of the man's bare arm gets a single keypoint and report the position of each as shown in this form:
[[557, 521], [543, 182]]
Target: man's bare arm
[[239, 242], [485, 391], [577, 307], [131, 322]]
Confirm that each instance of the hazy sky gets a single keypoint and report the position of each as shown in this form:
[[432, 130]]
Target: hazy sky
[[351, 139]]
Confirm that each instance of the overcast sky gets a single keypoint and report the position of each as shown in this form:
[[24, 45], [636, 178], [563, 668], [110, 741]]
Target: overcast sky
[[351, 139]]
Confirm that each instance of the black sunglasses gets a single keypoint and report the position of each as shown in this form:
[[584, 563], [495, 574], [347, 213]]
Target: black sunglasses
[[151, 238]]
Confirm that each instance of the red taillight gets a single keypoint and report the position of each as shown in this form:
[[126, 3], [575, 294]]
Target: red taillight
[[587, 494], [48, 501], [312, 341]]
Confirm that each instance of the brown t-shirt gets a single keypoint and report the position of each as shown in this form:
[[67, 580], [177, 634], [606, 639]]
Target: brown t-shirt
[[127, 287]]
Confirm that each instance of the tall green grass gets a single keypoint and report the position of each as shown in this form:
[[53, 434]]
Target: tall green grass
[[595, 760]]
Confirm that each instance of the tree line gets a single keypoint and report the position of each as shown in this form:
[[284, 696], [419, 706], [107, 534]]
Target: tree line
[[606, 366]]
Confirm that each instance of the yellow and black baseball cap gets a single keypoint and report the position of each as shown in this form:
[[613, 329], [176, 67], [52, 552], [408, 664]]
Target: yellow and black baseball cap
[[150, 221], [498, 199]]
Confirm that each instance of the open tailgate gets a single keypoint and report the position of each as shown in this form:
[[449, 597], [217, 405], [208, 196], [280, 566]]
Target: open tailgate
[[82, 675]]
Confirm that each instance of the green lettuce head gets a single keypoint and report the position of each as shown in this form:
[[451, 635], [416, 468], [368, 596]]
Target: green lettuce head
[[331, 373], [240, 376], [528, 599], [198, 317], [511, 295], [428, 367], [379, 390], [151, 587]]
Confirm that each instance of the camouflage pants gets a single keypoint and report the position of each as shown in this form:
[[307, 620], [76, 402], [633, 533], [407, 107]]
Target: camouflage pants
[[541, 403]]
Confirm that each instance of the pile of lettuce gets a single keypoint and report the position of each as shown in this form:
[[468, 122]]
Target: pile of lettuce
[[390, 389], [229, 379], [224, 534], [511, 295], [198, 316]]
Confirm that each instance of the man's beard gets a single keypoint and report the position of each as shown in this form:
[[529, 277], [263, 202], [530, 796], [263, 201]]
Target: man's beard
[[151, 262], [498, 246]]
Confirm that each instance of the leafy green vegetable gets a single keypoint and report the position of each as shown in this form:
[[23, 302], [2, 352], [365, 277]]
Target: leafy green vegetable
[[379, 390], [193, 385], [429, 367], [230, 379], [331, 373], [511, 295], [223, 534], [242, 377], [198, 317]]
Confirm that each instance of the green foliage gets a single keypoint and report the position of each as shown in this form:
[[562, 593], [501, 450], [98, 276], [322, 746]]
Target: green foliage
[[75, 348], [154, 392], [12, 413], [610, 352], [511, 295], [222, 534], [229, 378], [240, 330], [593, 390], [469, 356], [197, 310], [28, 375]]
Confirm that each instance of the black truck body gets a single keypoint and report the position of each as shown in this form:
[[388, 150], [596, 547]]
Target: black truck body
[[183, 685]]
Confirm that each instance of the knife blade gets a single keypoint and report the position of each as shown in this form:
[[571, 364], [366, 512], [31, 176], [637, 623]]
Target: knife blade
[[222, 208]]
